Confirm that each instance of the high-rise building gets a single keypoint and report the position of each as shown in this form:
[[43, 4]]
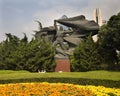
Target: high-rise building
[[97, 16]]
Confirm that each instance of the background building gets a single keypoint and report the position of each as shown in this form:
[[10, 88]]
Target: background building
[[97, 16]]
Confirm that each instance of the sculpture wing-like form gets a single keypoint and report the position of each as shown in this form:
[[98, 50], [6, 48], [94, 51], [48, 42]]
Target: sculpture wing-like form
[[81, 17], [80, 23], [40, 25]]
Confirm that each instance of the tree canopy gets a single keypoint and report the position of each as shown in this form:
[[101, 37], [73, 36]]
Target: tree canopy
[[19, 54]]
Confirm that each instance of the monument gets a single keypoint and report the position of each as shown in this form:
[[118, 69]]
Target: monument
[[65, 41]]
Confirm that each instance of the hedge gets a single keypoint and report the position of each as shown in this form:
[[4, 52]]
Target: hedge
[[80, 81]]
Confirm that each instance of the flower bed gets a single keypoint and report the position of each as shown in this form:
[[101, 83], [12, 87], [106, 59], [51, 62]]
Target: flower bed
[[55, 89]]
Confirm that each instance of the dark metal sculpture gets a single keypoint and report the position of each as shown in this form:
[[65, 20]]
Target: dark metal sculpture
[[66, 40]]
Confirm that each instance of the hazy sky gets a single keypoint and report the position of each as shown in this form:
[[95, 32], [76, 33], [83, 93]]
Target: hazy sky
[[18, 16]]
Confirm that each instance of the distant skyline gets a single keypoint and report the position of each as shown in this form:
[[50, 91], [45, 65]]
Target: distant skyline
[[18, 16]]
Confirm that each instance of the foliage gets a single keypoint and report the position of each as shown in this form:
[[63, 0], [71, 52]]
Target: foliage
[[7, 48], [31, 55], [118, 65], [109, 42], [86, 57], [80, 81], [112, 30], [41, 56]]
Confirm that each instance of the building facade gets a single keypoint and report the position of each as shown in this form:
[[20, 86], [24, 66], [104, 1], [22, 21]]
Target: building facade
[[97, 16]]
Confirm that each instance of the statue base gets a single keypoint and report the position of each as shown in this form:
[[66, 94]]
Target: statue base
[[62, 65]]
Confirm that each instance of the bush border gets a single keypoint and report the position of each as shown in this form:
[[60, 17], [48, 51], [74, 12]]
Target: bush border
[[79, 81]]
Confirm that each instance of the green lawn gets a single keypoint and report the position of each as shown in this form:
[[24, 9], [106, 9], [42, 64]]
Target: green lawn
[[106, 75]]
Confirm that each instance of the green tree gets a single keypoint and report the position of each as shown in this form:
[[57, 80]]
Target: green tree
[[1, 56], [41, 56], [86, 57], [7, 49], [19, 54], [109, 38]]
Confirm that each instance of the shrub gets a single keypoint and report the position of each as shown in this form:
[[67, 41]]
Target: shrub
[[80, 81]]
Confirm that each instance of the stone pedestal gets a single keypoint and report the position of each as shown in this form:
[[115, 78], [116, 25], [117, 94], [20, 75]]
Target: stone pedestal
[[62, 65]]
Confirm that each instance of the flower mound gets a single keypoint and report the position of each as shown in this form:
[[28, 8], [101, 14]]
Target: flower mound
[[43, 89], [55, 89]]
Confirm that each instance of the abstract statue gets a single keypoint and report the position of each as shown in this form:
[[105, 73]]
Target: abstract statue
[[66, 40]]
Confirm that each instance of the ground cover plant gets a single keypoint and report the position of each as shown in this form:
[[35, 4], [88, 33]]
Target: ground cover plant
[[103, 75], [97, 78], [55, 89]]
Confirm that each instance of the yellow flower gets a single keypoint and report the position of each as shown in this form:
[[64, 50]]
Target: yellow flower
[[55, 89]]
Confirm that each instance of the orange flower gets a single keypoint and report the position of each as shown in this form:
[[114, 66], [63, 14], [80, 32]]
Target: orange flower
[[41, 89]]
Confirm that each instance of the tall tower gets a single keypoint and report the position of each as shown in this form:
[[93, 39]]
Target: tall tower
[[97, 16]]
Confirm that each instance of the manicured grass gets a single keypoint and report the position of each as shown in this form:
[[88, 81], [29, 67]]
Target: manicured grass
[[102, 75], [11, 71]]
